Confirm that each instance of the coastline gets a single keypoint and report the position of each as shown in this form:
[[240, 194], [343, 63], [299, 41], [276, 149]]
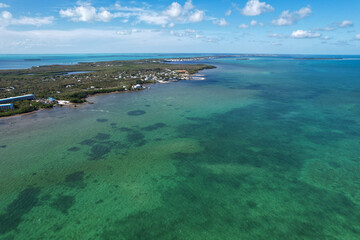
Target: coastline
[[22, 114], [193, 76]]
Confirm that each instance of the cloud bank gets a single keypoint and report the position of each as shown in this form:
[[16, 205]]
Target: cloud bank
[[255, 7], [288, 18], [175, 12], [304, 34]]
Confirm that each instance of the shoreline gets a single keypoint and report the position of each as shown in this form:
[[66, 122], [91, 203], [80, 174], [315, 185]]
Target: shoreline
[[192, 77]]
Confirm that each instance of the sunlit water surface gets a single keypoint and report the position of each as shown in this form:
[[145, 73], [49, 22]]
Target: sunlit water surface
[[267, 148]]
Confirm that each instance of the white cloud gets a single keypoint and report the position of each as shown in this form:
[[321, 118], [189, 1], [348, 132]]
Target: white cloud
[[129, 32], [197, 16], [32, 21], [186, 13], [86, 13], [5, 15], [304, 34], [6, 19], [243, 26], [228, 12], [3, 5], [201, 37], [253, 23], [105, 16], [357, 36], [117, 6], [276, 35], [221, 22], [173, 13], [96, 40], [192, 34], [261, 24], [153, 19], [174, 10], [188, 5], [289, 18], [345, 23], [255, 7], [336, 25]]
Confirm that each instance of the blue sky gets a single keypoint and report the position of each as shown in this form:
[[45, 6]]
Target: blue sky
[[201, 26]]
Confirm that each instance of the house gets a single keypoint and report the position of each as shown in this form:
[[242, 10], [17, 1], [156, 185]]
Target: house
[[7, 106], [137, 86], [50, 100], [18, 98]]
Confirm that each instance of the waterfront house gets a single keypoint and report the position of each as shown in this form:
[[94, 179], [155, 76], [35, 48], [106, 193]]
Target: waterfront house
[[7, 106], [137, 86], [18, 98]]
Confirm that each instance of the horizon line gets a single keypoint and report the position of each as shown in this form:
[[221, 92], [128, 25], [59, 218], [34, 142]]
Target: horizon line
[[337, 54]]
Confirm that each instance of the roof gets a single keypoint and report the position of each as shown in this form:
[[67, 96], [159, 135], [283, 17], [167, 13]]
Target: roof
[[6, 105], [5, 100], [10, 98]]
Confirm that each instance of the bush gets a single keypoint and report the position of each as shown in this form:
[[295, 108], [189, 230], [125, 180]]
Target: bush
[[77, 100]]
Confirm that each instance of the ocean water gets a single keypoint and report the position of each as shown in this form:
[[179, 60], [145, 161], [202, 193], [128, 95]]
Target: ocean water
[[267, 148]]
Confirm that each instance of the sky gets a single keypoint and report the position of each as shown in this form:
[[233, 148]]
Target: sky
[[182, 26]]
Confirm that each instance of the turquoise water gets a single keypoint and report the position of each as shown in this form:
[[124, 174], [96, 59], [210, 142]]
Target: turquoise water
[[263, 149]]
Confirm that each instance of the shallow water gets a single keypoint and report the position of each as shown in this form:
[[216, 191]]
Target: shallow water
[[263, 149]]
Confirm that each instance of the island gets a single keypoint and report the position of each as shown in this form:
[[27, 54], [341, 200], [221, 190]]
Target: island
[[320, 58], [72, 84]]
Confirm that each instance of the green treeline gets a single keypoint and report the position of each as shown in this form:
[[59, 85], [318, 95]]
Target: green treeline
[[57, 81]]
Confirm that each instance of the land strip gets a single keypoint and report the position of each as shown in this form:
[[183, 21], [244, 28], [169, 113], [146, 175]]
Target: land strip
[[74, 83]]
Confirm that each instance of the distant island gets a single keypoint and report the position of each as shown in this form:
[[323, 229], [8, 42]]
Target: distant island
[[189, 59], [322, 58], [65, 84], [32, 59]]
